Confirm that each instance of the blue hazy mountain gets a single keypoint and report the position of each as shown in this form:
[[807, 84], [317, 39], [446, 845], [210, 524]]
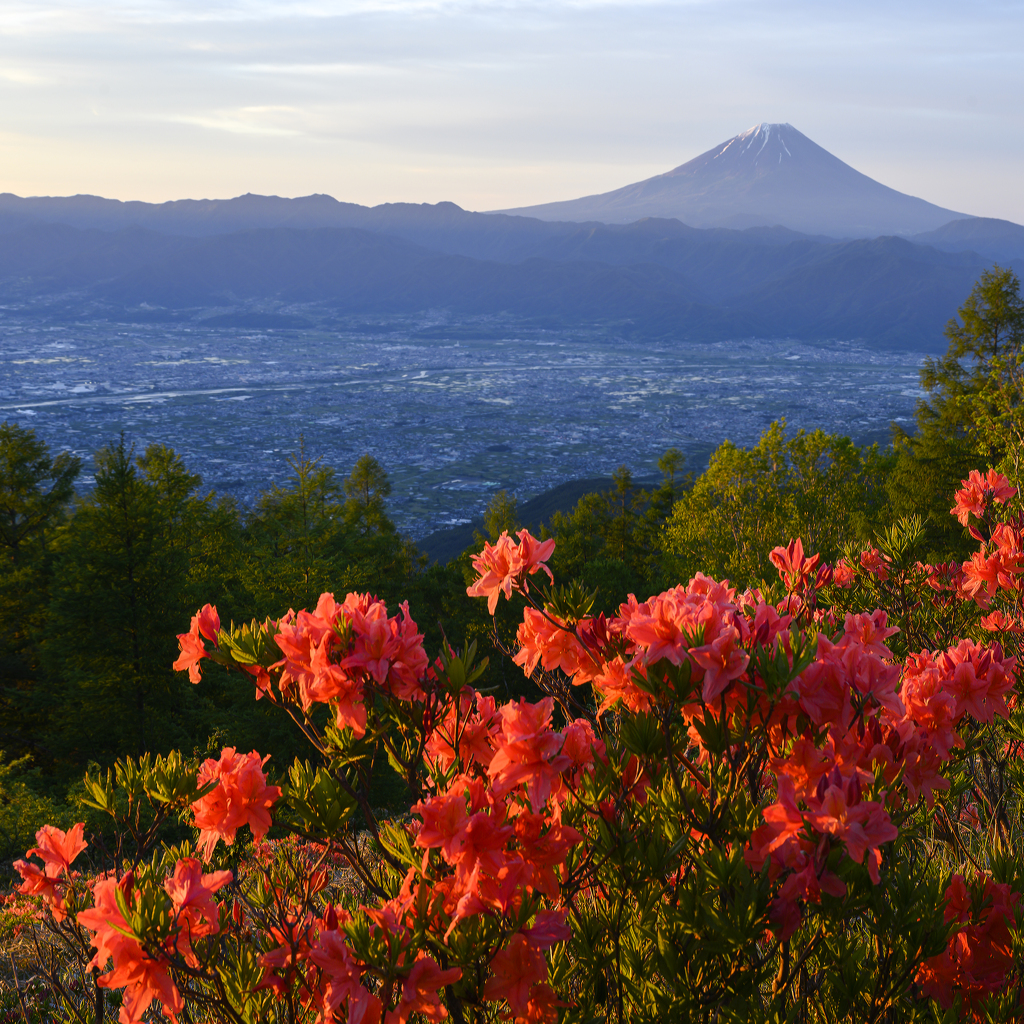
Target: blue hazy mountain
[[996, 239], [652, 279], [897, 272], [768, 175]]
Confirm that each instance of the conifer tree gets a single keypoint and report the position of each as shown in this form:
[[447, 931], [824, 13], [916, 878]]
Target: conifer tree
[[118, 601], [500, 516], [972, 412], [35, 491], [366, 491], [317, 534]]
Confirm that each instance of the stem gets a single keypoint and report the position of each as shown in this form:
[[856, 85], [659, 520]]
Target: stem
[[17, 987], [98, 1001]]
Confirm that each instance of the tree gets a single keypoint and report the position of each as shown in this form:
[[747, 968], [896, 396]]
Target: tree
[[296, 535], [500, 516], [119, 584], [316, 534], [366, 490], [817, 486], [35, 491], [670, 463], [972, 410]]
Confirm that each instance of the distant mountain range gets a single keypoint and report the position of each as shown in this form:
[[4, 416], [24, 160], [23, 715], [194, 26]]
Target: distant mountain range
[[263, 260], [770, 174]]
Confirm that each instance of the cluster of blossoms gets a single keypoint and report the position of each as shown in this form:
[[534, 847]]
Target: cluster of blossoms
[[864, 713], [329, 655], [240, 797], [313, 954], [142, 972], [979, 956], [833, 736], [57, 850], [506, 565], [999, 563], [332, 653], [498, 833], [857, 733]]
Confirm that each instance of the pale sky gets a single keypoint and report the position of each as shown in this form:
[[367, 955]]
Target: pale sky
[[499, 103]]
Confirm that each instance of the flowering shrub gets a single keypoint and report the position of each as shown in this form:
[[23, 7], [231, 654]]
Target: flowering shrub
[[796, 802]]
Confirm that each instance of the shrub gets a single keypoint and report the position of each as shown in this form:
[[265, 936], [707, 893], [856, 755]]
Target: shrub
[[790, 805]]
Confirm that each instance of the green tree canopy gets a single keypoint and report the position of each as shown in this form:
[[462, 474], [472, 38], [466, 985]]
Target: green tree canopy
[[119, 598], [35, 489], [817, 486], [972, 413], [35, 492], [500, 516]]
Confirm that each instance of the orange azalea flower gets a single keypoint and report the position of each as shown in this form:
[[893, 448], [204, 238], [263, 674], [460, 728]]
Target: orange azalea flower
[[516, 969], [528, 751], [420, 989], [241, 797], [143, 978], [205, 623], [505, 565], [794, 569], [56, 850], [875, 563], [977, 491]]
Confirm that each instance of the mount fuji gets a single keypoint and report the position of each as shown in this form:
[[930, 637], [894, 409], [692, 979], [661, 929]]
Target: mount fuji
[[770, 175]]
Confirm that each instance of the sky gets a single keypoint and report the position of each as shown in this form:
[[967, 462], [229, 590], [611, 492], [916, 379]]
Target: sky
[[499, 103]]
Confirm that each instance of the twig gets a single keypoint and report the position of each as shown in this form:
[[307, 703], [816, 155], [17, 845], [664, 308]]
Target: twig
[[17, 987]]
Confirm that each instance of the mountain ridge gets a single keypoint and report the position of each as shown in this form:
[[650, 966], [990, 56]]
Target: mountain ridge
[[652, 279]]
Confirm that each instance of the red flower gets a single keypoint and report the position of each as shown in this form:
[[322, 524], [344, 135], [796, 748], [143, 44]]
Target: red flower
[[528, 751], [419, 992], [794, 569], [57, 850], [977, 491], [516, 969], [505, 565], [241, 797], [979, 957], [877, 564], [205, 623], [191, 895], [143, 978]]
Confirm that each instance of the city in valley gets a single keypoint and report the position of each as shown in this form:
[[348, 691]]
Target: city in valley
[[452, 409]]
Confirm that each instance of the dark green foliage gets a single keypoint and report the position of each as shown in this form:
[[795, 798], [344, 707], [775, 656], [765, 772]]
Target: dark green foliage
[[612, 540], [92, 595], [35, 491], [317, 534], [120, 582], [971, 416]]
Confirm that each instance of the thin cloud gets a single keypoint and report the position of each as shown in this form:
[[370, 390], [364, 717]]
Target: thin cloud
[[316, 70], [22, 77], [245, 121]]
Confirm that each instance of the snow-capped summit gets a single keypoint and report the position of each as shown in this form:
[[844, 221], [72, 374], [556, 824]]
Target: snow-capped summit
[[770, 174]]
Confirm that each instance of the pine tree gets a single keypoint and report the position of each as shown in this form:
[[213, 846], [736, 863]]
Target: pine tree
[[119, 598], [35, 491], [971, 416], [500, 516]]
